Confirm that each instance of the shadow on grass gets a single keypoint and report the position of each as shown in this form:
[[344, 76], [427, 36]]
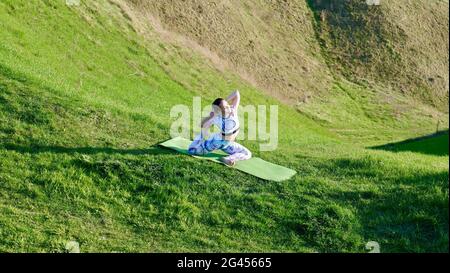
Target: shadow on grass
[[35, 149], [434, 144], [406, 213], [402, 211]]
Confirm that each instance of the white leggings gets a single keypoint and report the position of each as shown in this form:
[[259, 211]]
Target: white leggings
[[203, 146]]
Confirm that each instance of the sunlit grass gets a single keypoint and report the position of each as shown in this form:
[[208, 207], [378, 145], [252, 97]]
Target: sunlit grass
[[83, 101]]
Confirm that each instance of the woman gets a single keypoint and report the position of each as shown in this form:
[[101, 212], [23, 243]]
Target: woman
[[224, 116]]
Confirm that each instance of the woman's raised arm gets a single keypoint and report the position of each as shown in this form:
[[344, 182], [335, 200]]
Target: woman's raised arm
[[234, 99]]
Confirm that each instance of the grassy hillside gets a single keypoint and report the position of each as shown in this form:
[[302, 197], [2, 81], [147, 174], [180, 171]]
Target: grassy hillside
[[435, 144], [403, 45], [271, 44], [344, 64], [85, 93]]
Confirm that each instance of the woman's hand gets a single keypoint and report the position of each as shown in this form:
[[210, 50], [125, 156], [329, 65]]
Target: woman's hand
[[206, 122]]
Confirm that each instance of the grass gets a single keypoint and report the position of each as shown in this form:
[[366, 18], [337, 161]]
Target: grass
[[435, 144], [387, 45], [83, 101]]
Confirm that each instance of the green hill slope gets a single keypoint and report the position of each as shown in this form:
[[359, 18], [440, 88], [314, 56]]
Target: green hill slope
[[435, 144], [349, 66], [403, 45], [86, 91]]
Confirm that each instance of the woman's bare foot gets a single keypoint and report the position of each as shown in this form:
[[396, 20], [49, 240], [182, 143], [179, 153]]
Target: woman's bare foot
[[227, 162]]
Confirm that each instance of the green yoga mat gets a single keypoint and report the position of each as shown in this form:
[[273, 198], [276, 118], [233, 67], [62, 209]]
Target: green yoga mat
[[254, 166]]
